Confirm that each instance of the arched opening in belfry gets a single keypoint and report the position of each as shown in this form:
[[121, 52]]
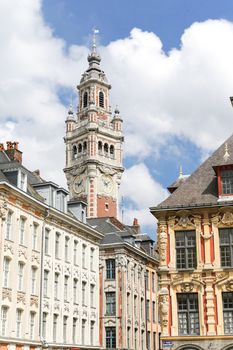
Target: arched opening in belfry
[[100, 147], [106, 149], [112, 151], [75, 152], [80, 148], [101, 99], [85, 99]]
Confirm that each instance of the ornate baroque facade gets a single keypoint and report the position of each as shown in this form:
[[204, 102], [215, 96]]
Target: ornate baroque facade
[[195, 226], [49, 284]]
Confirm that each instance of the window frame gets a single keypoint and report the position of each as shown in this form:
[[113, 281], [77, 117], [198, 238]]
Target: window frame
[[191, 314], [185, 250]]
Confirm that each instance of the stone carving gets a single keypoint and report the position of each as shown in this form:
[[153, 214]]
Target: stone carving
[[93, 278], [76, 312], [34, 300], [47, 264], [227, 218], [66, 308], [57, 267], [35, 259], [85, 313], [3, 209], [107, 170], [207, 235], [162, 243], [164, 308], [46, 304], [78, 171], [57, 307], [186, 287], [121, 261], [229, 285], [8, 246], [23, 252], [93, 314], [6, 294], [221, 276], [21, 298], [84, 276], [67, 270]]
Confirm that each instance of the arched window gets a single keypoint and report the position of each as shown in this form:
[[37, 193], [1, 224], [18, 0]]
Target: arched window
[[101, 99], [80, 148], [84, 146], [106, 149], [85, 99], [75, 152], [100, 147], [111, 149]]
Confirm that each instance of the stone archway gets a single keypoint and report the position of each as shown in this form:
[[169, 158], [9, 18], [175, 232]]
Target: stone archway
[[190, 347]]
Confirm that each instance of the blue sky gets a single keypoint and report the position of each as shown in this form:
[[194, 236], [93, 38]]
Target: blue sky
[[170, 66]]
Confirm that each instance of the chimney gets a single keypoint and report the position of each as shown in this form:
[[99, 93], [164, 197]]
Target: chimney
[[2, 147], [13, 152], [136, 225]]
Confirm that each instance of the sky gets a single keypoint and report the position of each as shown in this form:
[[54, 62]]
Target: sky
[[170, 66]]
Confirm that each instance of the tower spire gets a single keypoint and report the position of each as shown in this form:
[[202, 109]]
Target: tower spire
[[95, 32]]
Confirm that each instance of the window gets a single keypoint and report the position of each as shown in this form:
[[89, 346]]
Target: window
[[226, 246], [83, 331], [75, 252], [34, 236], [111, 149], [142, 340], [135, 338], [20, 276], [110, 303], [188, 315], [142, 307], [56, 285], [65, 318], [135, 306], [110, 269], [128, 303], [75, 285], [85, 99], [110, 337], [32, 324], [74, 330], [55, 317], [92, 259], [84, 146], [153, 311], [92, 332], [75, 151], [128, 337], [84, 256], [33, 280], [83, 293], [23, 181], [106, 149], [46, 243], [66, 280], [19, 313], [21, 230], [92, 294], [4, 311], [57, 241], [100, 147], [6, 271], [67, 249], [148, 310], [154, 340], [80, 148], [46, 278], [44, 324], [148, 339], [147, 280], [153, 281], [101, 99], [227, 181], [227, 298], [9, 225], [186, 250]]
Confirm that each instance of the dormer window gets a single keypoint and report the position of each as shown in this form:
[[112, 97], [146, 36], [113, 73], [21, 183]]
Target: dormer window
[[227, 181], [22, 180], [101, 99]]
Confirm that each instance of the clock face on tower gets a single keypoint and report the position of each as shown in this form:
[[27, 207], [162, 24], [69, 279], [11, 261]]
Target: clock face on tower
[[79, 184], [106, 184]]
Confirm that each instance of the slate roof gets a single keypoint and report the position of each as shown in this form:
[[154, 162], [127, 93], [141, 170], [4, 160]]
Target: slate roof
[[200, 188]]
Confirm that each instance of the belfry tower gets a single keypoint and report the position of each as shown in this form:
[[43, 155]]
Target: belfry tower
[[94, 144]]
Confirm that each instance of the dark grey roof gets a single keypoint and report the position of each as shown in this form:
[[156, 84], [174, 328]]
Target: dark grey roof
[[200, 188], [3, 177], [103, 225], [3, 157], [111, 238]]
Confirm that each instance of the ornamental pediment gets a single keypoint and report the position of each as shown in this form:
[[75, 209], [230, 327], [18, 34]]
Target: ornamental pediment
[[224, 281], [184, 219], [110, 322], [189, 283], [223, 217]]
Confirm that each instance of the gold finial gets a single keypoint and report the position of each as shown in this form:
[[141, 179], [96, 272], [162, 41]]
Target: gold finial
[[226, 154], [95, 31], [181, 171]]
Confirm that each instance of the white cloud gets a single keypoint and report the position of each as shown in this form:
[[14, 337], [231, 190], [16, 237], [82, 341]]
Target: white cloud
[[184, 93]]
